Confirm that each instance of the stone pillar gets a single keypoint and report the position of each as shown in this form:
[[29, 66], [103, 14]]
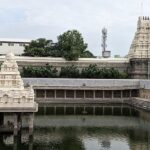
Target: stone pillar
[[31, 143], [112, 94], [15, 144], [130, 113], [65, 94], [84, 112], [19, 117], [45, 94], [84, 93], [75, 94], [93, 110], [148, 69], [1, 119], [121, 94], [55, 94], [35, 93], [15, 124], [94, 94], [64, 110], [44, 110], [31, 123], [103, 94], [103, 107], [54, 110], [74, 110], [121, 111], [130, 92], [112, 110]]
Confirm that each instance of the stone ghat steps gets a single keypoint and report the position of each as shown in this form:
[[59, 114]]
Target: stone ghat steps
[[80, 101], [140, 103], [136, 102]]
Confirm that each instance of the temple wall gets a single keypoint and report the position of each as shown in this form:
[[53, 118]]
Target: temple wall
[[53, 94], [145, 93], [121, 64], [109, 84], [48, 90], [122, 67], [137, 68]]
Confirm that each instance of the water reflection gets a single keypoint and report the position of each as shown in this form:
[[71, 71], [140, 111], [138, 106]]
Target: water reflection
[[84, 133]]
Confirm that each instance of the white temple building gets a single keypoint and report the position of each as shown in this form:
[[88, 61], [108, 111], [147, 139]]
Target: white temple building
[[13, 96], [140, 47]]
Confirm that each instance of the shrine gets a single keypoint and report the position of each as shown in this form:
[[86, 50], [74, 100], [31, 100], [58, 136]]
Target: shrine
[[14, 97]]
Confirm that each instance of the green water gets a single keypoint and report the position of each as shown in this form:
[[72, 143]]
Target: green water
[[103, 132]]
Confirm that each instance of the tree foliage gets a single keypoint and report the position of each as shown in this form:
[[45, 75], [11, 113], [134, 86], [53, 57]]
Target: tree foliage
[[69, 72], [92, 71], [87, 54], [70, 45], [39, 72], [40, 47]]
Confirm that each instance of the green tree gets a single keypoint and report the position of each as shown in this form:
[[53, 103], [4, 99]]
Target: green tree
[[40, 47], [87, 54], [39, 72], [71, 45], [69, 72], [91, 71]]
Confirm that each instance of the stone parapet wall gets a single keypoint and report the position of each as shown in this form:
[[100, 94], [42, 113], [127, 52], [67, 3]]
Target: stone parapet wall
[[85, 87], [121, 67], [145, 93], [145, 84], [139, 68], [53, 95], [121, 64], [64, 83]]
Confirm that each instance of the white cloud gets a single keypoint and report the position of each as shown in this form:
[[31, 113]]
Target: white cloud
[[48, 18]]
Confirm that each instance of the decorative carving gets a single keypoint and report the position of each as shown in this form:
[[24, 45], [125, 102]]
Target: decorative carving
[[12, 91], [140, 47]]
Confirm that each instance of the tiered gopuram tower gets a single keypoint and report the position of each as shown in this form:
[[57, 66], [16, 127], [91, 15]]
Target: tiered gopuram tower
[[12, 91], [14, 97], [139, 53], [140, 47]]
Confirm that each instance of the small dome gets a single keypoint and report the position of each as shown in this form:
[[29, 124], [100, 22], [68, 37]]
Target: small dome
[[10, 56]]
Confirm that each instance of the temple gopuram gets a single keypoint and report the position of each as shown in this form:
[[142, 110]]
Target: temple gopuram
[[14, 97]]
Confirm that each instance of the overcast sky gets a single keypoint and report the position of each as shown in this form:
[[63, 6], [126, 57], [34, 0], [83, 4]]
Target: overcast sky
[[32, 19]]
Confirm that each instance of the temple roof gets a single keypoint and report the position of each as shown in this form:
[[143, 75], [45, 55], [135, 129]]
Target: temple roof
[[140, 47], [9, 75], [10, 56]]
